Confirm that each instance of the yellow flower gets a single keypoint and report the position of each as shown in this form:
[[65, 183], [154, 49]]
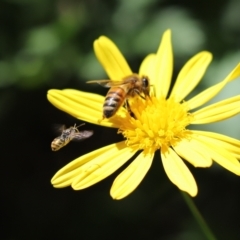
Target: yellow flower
[[160, 123]]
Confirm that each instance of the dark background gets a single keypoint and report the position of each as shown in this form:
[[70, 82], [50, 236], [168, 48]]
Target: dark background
[[48, 44]]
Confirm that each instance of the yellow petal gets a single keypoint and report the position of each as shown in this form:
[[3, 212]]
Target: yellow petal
[[230, 144], [84, 106], [163, 66], [111, 58], [147, 68], [200, 148], [192, 152], [211, 92], [220, 155], [178, 172], [190, 75], [65, 176], [227, 139], [102, 165], [130, 178], [218, 111]]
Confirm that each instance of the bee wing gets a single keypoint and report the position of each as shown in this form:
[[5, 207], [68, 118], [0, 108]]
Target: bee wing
[[58, 128], [109, 83], [82, 135]]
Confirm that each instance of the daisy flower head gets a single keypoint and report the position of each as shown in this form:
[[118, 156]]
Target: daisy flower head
[[160, 123]]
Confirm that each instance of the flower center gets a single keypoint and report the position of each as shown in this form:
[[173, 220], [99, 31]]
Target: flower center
[[158, 123]]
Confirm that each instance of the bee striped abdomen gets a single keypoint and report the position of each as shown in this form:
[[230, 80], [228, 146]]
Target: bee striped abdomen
[[57, 143], [113, 101]]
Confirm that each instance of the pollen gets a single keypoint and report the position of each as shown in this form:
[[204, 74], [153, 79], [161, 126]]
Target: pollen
[[157, 124]]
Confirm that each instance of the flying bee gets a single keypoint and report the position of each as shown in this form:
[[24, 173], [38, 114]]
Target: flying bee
[[121, 91], [69, 134]]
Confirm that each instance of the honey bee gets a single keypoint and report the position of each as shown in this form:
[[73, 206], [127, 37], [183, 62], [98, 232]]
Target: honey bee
[[69, 134], [121, 91]]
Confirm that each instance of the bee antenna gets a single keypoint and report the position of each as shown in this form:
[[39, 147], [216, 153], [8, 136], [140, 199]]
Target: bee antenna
[[153, 88], [78, 125]]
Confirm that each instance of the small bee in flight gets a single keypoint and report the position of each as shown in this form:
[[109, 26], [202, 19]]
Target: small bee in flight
[[121, 91], [69, 134]]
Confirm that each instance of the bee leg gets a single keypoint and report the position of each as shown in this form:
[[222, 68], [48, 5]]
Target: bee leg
[[138, 93], [127, 106], [146, 95], [100, 120]]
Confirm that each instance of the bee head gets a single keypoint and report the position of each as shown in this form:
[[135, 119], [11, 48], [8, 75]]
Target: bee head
[[145, 85]]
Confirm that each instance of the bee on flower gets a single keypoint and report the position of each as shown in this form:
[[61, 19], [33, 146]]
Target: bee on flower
[[160, 123], [121, 91]]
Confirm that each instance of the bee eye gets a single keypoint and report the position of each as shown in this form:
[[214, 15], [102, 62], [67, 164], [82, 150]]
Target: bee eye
[[145, 82]]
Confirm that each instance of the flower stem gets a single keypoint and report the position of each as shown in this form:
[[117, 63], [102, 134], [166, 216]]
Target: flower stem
[[198, 217]]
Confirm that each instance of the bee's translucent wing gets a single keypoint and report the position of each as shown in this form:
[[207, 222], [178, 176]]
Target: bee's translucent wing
[[58, 128], [82, 135], [109, 83]]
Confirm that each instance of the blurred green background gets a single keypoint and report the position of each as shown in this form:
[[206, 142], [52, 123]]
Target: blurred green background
[[48, 44]]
